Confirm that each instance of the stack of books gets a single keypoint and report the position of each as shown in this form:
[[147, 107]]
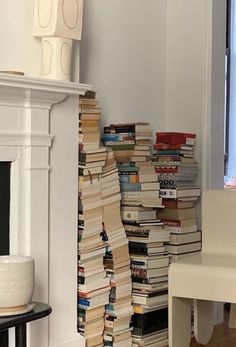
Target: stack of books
[[130, 142], [89, 132], [140, 200], [177, 170], [149, 268], [93, 285], [117, 263]]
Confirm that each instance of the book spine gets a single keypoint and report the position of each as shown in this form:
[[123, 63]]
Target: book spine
[[130, 187], [129, 177]]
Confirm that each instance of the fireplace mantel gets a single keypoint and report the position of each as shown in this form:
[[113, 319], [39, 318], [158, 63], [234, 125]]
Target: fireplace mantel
[[36, 92], [40, 140]]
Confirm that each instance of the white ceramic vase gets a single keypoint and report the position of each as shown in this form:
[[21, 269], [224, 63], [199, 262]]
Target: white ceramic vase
[[16, 281]]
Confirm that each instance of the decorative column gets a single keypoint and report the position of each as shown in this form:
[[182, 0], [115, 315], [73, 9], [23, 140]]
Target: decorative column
[[27, 142]]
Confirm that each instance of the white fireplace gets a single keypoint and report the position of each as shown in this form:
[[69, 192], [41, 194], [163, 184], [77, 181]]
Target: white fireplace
[[39, 136]]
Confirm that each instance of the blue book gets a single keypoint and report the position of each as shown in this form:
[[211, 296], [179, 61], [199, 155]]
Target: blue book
[[130, 187], [83, 302], [129, 178], [128, 168], [110, 137]]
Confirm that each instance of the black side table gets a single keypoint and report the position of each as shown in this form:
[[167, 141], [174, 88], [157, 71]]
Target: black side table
[[19, 322]]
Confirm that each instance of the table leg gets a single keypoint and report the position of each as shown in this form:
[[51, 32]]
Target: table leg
[[20, 333]]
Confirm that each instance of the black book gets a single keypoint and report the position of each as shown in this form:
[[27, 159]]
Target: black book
[[88, 95], [119, 128], [150, 322]]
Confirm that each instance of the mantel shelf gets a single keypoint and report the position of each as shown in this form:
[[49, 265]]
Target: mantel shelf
[[23, 91]]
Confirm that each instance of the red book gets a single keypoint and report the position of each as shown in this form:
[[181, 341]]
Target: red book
[[173, 147], [174, 138]]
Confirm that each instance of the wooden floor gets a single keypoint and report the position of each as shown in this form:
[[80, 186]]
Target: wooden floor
[[222, 336]]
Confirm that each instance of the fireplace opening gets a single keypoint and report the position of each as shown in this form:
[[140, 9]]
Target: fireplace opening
[[5, 173]]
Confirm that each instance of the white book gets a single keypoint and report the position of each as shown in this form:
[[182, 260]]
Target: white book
[[191, 247], [181, 230]]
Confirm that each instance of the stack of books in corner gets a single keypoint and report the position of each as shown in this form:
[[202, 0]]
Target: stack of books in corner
[[93, 285], [177, 170], [140, 201], [117, 263]]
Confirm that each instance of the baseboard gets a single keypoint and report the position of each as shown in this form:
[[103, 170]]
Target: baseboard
[[79, 342]]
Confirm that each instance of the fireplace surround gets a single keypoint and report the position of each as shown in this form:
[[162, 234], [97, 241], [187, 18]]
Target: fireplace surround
[[39, 138]]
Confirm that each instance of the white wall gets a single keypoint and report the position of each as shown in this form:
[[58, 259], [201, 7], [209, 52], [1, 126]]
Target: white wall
[[19, 49], [195, 84], [123, 55], [195, 80], [185, 66]]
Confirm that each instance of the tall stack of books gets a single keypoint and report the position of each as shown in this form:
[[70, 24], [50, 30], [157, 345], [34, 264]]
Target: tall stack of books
[[117, 263], [89, 116], [139, 184], [177, 170], [93, 285]]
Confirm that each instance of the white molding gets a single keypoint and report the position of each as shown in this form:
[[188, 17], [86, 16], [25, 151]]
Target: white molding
[[213, 108], [79, 342], [213, 105], [25, 139], [206, 118], [42, 84], [28, 92]]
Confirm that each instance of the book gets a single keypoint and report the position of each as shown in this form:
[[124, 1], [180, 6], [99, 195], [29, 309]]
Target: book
[[179, 223], [149, 301], [138, 248], [150, 322], [180, 239], [129, 215], [144, 262], [86, 316], [187, 248], [175, 204], [99, 300], [177, 213], [129, 187], [90, 285], [89, 116], [150, 186], [147, 273], [160, 236], [174, 138], [179, 192], [181, 230], [151, 280], [185, 147]]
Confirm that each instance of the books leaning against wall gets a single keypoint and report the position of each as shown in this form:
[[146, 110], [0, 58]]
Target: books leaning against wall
[[93, 284], [177, 169], [140, 190]]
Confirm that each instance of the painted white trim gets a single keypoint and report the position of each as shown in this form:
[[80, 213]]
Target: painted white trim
[[206, 114], [42, 84], [27, 92], [80, 342], [212, 115], [25, 140]]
